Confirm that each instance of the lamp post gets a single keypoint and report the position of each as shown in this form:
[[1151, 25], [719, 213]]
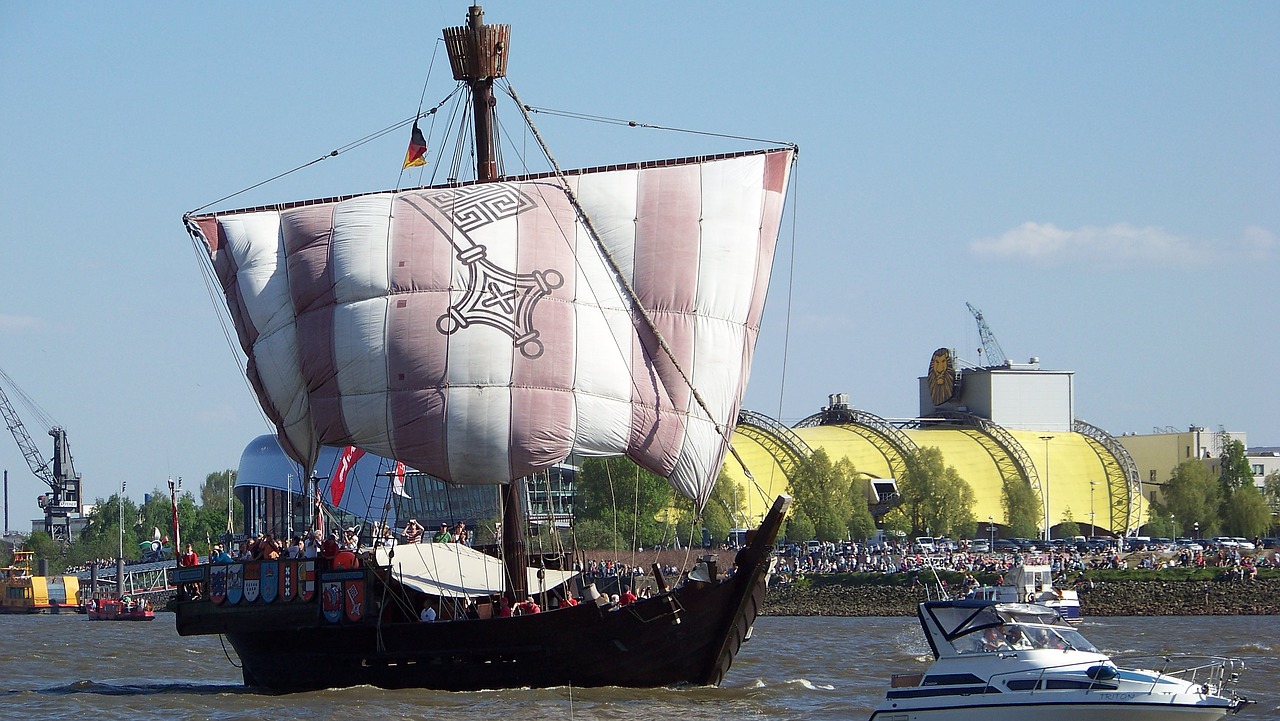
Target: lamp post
[[991, 528], [1196, 525], [1093, 530], [1047, 533]]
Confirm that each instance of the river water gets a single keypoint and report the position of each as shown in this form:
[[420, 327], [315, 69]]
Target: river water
[[66, 667]]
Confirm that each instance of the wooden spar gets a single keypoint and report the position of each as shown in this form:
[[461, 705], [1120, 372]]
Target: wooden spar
[[477, 55]]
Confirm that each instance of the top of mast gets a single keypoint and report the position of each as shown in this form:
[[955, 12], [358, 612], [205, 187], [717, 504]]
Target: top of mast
[[478, 54]]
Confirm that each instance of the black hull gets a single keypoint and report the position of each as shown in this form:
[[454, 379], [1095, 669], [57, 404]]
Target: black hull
[[686, 636]]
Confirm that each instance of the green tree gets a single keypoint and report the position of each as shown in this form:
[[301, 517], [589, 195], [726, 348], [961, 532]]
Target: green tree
[[725, 508], [213, 502], [1021, 508], [861, 523], [1160, 523], [821, 490], [1246, 513], [598, 534], [800, 527], [1271, 494], [45, 548], [1193, 496], [935, 499], [624, 496], [101, 537], [1236, 470], [1068, 528]]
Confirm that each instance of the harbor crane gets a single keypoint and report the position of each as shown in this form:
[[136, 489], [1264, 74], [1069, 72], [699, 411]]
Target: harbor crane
[[989, 348], [63, 502]]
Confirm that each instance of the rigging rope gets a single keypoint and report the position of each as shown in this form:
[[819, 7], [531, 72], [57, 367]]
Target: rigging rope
[[637, 124], [331, 154], [423, 97], [620, 278]]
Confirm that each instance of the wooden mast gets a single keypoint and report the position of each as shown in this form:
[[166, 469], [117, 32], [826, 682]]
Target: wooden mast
[[477, 55]]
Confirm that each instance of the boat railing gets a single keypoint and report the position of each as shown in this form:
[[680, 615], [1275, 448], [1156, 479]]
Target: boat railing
[[1039, 685], [1213, 673]]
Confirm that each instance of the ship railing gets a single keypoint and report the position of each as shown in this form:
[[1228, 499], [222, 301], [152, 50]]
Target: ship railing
[[1039, 685], [1213, 673]]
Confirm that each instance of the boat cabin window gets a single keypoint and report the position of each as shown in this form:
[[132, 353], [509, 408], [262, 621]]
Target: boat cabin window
[[1021, 637], [1006, 627]]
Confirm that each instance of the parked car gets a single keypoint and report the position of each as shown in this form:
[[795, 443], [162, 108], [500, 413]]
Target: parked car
[[979, 545], [924, 544], [1271, 543], [1004, 545], [1244, 544]]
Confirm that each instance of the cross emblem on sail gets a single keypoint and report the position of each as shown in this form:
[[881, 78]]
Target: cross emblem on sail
[[478, 333], [495, 296]]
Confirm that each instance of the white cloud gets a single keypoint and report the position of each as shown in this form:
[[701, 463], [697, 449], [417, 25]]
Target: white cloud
[[1121, 245], [20, 324]]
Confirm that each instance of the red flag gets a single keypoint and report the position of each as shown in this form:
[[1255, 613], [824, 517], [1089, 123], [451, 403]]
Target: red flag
[[346, 462], [417, 149], [397, 481]]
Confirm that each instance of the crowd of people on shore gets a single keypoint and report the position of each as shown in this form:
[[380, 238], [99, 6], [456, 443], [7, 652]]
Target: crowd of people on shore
[[796, 561]]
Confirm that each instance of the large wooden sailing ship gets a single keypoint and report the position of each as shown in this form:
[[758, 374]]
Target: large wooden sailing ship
[[481, 332]]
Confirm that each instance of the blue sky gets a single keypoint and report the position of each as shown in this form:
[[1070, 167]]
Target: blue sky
[[1101, 179]]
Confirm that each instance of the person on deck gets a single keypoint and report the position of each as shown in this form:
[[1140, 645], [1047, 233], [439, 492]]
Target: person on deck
[[311, 547], [527, 607], [189, 558], [460, 533], [351, 539], [218, 555], [413, 531], [504, 608], [443, 535], [329, 548], [269, 548]]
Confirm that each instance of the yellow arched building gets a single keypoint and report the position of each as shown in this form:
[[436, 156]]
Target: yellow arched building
[[1085, 475]]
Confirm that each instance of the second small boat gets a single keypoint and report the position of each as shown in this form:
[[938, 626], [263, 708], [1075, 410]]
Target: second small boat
[[1023, 662]]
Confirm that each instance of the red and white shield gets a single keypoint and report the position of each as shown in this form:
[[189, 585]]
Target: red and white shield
[[307, 578]]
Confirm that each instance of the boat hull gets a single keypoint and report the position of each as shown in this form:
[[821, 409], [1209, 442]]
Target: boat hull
[[1042, 709], [116, 611], [688, 635]]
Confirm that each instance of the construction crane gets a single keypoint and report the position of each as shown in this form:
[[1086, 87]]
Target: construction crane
[[989, 348], [63, 502]]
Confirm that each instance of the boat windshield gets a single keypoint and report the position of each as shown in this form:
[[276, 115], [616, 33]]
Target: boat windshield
[[1020, 637], [1007, 627]]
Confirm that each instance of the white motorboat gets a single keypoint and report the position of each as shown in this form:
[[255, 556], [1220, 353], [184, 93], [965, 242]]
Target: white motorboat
[[1032, 582], [1017, 661]]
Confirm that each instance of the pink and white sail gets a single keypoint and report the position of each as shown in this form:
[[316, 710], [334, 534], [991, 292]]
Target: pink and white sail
[[477, 334]]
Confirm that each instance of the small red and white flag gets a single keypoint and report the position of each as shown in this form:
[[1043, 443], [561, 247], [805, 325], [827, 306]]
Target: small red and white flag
[[346, 462], [397, 480]]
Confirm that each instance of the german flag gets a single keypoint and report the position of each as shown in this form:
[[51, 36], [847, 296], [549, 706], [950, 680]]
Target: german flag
[[417, 149]]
